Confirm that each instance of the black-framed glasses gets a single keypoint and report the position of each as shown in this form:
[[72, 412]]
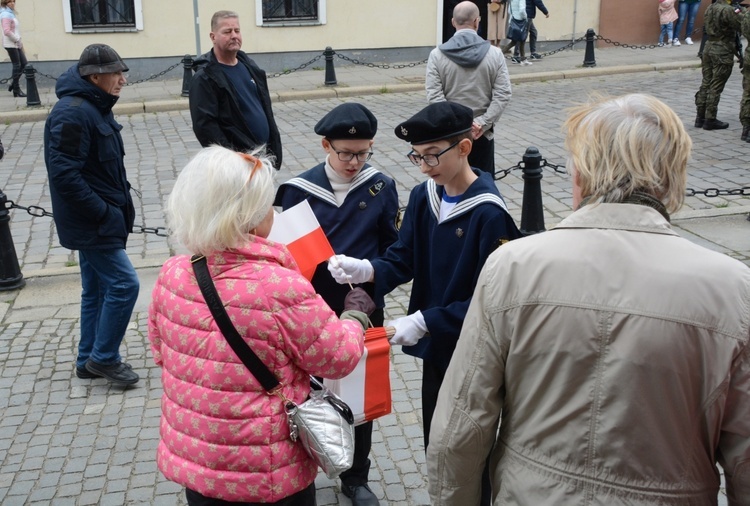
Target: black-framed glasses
[[430, 160], [347, 156]]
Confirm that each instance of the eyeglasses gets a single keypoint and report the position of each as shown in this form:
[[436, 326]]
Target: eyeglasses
[[430, 160], [346, 156]]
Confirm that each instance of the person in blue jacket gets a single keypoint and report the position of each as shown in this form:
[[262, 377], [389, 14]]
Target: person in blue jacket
[[356, 206], [451, 224], [92, 206], [531, 7]]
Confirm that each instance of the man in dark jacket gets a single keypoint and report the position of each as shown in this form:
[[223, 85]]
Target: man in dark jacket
[[93, 210], [531, 6], [229, 100]]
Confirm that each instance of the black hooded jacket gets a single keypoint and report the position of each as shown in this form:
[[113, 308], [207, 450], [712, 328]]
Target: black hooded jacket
[[216, 115]]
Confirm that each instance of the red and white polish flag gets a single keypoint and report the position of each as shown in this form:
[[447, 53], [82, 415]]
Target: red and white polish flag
[[299, 230]]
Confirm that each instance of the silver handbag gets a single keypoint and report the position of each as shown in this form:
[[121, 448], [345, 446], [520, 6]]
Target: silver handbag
[[323, 424]]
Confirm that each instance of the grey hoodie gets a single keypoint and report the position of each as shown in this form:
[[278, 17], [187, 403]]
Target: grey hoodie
[[466, 48]]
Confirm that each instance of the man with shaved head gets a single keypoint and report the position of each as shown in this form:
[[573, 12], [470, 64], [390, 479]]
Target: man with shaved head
[[472, 72]]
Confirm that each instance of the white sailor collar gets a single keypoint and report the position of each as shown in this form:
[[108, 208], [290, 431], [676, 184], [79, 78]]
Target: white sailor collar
[[435, 194], [325, 193]]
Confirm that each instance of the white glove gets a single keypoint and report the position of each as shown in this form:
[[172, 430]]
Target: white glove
[[346, 269], [409, 329]]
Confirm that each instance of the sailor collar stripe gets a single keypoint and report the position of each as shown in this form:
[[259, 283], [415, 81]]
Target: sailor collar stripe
[[325, 194], [462, 207]]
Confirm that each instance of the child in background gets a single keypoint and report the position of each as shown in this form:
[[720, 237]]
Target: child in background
[[356, 207], [667, 17]]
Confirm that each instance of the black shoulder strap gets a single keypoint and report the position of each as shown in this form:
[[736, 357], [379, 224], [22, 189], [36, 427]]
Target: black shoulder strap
[[240, 347]]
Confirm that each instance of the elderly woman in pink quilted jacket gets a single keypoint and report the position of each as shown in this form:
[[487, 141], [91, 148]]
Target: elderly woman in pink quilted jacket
[[222, 436]]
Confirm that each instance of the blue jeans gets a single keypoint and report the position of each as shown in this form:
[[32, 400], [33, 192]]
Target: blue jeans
[[110, 289], [666, 33], [689, 11]]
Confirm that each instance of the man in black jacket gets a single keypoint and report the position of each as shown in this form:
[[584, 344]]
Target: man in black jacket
[[229, 100], [531, 6]]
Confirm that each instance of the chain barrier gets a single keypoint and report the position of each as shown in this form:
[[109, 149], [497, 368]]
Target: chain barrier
[[642, 46], [152, 76], [40, 212], [502, 173], [6, 80], [689, 192], [716, 192], [286, 72], [560, 169], [567, 46], [379, 65]]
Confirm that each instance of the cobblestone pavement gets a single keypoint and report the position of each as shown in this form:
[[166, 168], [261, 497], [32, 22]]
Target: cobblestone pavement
[[70, 441]]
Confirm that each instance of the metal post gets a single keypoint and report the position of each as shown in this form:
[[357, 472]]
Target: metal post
[[330, 71], [589, 60], [10, 273], [32, 94], [532, 213], [187, 74]]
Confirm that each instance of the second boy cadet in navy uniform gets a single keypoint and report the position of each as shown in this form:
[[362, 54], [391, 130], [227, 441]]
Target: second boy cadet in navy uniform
[[452, 223], [356, 206]]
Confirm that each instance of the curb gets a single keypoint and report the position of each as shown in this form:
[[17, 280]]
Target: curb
[[154, 106]]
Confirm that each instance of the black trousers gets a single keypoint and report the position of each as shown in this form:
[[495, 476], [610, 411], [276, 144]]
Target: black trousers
[[18, 58], [304, 497], [432, 379], [482, 154]]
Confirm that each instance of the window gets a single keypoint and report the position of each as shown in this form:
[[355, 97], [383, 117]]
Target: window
[[285, 12], [95, 15]]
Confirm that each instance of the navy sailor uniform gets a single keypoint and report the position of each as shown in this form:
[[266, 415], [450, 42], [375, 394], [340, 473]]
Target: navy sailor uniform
[[362, 227], [444, 259]]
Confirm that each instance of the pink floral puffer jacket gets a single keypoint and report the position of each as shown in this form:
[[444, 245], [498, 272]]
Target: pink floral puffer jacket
[[221, 434]]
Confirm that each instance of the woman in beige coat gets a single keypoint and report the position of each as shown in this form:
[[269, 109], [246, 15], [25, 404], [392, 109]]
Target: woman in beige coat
[[606, 361]]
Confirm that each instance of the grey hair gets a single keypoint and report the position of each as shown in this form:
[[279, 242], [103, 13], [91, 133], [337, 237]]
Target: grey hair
[[215, 203], [218, 15]]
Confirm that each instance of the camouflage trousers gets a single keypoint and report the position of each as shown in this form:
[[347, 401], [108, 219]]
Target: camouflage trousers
[[745, 101], [718, 60]]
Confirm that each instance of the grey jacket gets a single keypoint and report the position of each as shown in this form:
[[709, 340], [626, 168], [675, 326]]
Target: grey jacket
[[616, 354], [470, 71]]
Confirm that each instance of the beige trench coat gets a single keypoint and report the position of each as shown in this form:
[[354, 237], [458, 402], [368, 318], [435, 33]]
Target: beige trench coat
[[617, 354]]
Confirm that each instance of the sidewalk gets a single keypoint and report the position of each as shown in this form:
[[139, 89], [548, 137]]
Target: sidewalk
[[358, 80]]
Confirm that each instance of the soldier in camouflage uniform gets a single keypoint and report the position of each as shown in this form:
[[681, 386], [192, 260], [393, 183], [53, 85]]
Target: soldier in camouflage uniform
[[745, 102], [722, 23]]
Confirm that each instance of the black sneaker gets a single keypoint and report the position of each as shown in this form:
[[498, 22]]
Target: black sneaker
[[535, 56], [120, 373], [83, 373], [515, 59]]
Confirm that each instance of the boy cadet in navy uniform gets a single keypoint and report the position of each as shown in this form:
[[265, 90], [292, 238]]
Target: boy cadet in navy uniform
[[356, 206], [452, 223]]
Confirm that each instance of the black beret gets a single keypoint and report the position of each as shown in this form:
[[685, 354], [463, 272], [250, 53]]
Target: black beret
[[348, 121], [436, 122]]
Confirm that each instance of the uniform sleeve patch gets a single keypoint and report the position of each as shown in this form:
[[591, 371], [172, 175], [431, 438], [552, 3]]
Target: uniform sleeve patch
[[70, 139], [377, 187]]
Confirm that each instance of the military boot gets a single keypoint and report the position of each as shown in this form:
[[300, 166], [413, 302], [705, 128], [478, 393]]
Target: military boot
[[714, 124], [699, 121], [745, 133]]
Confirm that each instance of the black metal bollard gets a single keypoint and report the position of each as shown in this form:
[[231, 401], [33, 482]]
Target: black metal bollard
[[330, 71], [589, 60], [187, 74], [532, 213], [32, 94], [10, 273]]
